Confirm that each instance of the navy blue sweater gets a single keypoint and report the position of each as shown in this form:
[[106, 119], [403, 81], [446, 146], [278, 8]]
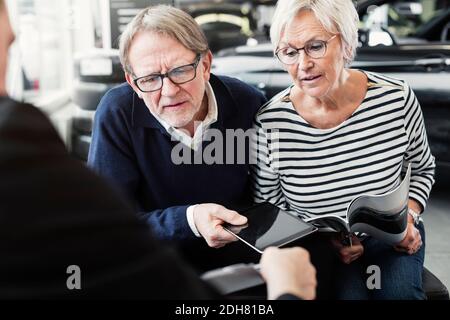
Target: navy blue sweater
[[131, 148]]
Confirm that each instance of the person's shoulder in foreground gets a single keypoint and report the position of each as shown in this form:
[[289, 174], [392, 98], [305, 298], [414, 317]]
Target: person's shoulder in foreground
[[56, 214], [65, 234]]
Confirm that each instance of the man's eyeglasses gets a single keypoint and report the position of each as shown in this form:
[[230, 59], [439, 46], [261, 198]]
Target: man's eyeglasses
[[179, 75], [314, 49]]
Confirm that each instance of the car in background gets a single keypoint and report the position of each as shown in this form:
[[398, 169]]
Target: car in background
[[409, 46], [95, 72], [229, 23]]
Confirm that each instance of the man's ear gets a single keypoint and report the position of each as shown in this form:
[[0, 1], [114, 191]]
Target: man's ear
[[130, 81], [207, 63]]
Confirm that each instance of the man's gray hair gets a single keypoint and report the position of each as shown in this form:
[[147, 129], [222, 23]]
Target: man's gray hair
[[336, 16], [167, 21]]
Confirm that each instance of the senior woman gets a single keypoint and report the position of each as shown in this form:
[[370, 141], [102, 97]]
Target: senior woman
[[337, 133]]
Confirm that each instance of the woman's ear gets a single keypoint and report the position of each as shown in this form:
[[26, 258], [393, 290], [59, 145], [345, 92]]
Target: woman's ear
[[346, 52]]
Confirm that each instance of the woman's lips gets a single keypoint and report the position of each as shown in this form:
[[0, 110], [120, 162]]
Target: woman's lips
[[311, 79]]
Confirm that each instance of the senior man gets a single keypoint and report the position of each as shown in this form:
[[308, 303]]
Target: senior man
[[162, 136]]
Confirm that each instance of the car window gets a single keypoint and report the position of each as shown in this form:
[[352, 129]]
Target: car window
[[406, 22]]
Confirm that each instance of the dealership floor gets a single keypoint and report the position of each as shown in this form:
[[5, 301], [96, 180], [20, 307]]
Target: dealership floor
[[437, 227]]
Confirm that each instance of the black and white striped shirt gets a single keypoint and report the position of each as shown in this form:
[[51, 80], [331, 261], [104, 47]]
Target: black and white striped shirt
[[319, 171]]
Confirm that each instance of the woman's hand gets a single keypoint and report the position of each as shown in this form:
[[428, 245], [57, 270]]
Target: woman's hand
[[412, 241], [348, 253]]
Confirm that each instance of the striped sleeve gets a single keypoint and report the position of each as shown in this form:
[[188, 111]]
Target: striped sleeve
[[418, 151], [265, 180]]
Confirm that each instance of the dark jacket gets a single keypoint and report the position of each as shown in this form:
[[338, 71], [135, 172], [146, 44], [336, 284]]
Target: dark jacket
[[55, 213]]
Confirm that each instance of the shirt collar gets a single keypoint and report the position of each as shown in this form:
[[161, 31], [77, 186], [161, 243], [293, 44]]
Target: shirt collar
[[196, 140], [210, 118]]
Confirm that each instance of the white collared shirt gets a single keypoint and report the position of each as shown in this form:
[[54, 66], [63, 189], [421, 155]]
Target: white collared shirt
[[195, 141]]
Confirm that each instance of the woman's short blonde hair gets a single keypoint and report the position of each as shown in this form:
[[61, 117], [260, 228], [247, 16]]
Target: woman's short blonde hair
[[165, 20], [336, 16]]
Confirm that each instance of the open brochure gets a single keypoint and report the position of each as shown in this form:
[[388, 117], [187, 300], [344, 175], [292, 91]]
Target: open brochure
[[382, 216]]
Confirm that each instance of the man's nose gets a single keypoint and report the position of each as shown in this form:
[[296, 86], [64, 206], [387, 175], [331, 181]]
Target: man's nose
[[169, 88]]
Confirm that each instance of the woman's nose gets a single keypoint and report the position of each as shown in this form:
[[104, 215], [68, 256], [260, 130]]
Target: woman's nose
[[305, 62]]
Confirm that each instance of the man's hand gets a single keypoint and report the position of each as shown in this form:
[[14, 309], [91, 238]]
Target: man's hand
[[288, 271], [208, 219], [412, 241], [348, 254]]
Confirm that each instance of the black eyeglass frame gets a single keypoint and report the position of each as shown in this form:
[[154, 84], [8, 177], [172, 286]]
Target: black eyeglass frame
[[167, 75]]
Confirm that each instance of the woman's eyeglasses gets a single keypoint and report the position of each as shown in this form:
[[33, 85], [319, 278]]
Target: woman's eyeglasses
[[314, 49]]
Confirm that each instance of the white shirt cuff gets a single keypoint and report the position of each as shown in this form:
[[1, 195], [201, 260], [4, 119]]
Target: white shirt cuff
[[190, 219]]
